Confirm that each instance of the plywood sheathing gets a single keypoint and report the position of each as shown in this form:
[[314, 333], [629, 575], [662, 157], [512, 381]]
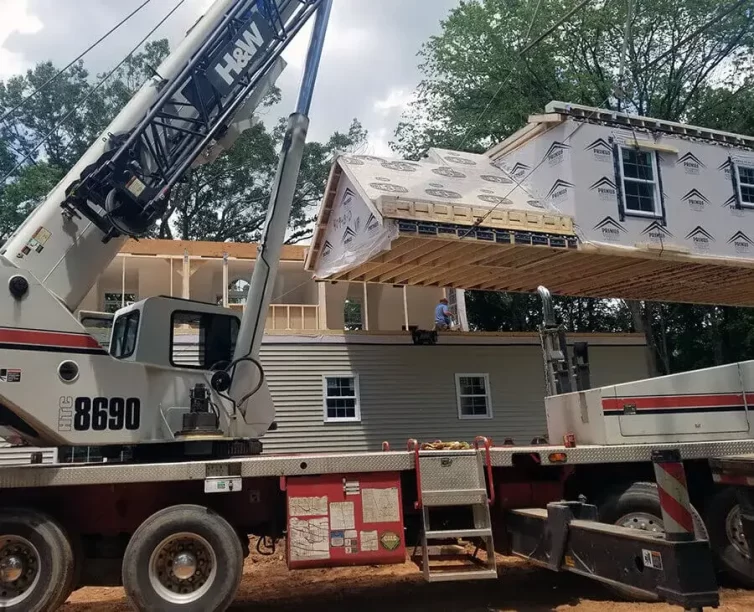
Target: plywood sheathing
[[591, 272]]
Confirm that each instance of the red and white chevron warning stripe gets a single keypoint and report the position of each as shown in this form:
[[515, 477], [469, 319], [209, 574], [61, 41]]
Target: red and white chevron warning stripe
[[674, 495]]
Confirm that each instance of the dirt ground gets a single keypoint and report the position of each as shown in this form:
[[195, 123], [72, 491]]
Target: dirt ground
[[267, 586]]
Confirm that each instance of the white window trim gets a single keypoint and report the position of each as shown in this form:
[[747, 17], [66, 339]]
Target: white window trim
[[737, 166], [357, 391], [488, 393], [657, 214]]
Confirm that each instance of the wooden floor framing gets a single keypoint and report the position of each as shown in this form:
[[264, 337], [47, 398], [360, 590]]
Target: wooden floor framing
[[469, 263]]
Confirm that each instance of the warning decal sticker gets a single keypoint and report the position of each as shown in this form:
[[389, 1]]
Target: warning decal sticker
[[390, 540], [309, 539], [337, 539], [380, 505], [369, 541], [10, 376], [652, 559], [307, 506], [342, 515]]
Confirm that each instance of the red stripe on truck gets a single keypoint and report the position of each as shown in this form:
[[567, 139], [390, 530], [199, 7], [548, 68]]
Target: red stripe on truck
[[655, 402], [47, 338]]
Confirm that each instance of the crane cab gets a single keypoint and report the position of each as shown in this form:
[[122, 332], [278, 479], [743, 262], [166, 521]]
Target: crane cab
[[175, 333]]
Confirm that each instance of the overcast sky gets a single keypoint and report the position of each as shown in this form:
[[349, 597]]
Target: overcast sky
[[368, 69]]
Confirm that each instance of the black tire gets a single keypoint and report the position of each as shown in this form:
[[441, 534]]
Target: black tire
[[51, 554], [212, 533], [730, 556], [639, 498]]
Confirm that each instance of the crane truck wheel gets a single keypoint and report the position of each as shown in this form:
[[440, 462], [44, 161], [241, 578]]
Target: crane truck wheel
[[637, 506], [726, 536], [185, 558], [36, 562]]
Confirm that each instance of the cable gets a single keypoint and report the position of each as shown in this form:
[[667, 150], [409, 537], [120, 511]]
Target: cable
[[518, 56], [624, 53], [60, 72], [596, 110], [93, 91], [695, 33]]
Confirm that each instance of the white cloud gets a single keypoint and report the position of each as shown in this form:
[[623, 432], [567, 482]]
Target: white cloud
[[16, 18], [397, 99], [378, 143], [340, 41]]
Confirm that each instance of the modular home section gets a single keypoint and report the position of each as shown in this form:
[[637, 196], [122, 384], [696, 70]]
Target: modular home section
[[585, 201]]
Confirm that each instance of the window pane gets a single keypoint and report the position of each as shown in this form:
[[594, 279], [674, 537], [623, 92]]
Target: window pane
[[471, 385], [341, 387], [124, 335], [747, 194], [203, 340], [341, 408], [746, 175], [637, 164], [639, 196], [474, 406]]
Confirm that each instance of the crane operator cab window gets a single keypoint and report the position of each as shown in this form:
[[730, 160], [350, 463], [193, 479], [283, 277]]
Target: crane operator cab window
[[123, 337], [201, 340], [175, 333]]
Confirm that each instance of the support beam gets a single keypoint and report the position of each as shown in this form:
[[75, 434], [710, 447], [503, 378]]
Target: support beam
[[186, 288], [405, 306], [225, 280], [365, 312], [322, 305]]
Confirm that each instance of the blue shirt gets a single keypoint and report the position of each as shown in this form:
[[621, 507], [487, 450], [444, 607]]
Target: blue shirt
[[442, 314]]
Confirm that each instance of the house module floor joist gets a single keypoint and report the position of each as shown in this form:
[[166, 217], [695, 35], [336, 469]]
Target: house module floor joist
[[456, 220]]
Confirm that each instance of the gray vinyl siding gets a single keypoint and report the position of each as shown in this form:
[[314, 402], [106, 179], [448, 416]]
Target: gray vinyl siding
[[409, 391]]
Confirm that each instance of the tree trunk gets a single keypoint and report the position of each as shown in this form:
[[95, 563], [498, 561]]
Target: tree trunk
[[642, 325]]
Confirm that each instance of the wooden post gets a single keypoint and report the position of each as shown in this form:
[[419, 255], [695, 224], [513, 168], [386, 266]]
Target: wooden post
[[186, 289], [322, 305], [405, 306], [365, 310], [225, 280]]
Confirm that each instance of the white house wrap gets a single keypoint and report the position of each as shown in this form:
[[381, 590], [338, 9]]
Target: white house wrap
[[584, 201]]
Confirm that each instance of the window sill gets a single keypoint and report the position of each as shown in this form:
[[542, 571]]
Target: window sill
[[642, 215], [480, 417], [336, 421]]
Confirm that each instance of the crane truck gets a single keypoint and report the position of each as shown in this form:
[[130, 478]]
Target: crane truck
[[169, 515]]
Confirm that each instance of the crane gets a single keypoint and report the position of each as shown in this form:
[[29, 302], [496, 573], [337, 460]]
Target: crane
[[63, 388]]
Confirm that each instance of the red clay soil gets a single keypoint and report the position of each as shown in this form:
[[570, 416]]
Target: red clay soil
[[267, 586]]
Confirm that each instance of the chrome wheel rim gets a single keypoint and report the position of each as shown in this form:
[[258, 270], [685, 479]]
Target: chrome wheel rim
[[644, 521], [734, 529], [182, 568], [19, 569]]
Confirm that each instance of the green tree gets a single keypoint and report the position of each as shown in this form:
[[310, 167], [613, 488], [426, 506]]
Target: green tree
[[474, 63]]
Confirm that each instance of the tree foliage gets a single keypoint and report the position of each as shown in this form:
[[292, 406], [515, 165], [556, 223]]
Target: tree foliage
[[225, 200], [477, 90]]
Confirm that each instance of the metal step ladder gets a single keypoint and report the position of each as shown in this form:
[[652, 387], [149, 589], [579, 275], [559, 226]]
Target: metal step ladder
[[447, 478]]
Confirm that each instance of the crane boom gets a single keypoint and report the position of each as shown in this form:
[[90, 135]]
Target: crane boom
[[198, 102], [120, 187]]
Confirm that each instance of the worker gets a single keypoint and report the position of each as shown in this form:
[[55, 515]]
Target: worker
[[443, 316]]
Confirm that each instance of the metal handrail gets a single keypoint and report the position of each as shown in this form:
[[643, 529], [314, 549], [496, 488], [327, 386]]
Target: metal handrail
[[488, 462], [413, 445]]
